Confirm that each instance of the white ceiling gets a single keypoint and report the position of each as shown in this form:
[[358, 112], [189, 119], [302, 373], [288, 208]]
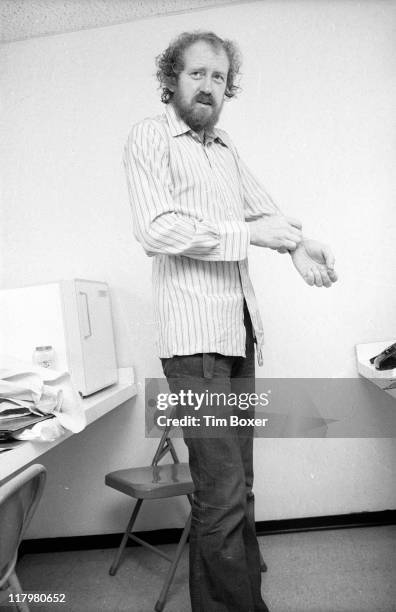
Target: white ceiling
[[20, 19]]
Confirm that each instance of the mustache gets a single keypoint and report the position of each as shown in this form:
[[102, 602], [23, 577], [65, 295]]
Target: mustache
[[205, 99]]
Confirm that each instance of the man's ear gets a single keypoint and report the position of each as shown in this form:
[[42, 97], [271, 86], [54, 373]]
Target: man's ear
[[171, 83]]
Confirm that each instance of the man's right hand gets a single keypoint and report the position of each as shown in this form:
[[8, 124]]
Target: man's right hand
[[276, 232]]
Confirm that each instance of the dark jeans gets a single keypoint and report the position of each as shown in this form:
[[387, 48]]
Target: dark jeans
[[224, 554]]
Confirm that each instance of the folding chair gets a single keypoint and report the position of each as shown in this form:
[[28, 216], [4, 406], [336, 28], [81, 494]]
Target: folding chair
[[154, 482], [19, 498]]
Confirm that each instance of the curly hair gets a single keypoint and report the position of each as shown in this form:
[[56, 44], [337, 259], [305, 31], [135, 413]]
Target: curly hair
[[171, 62]]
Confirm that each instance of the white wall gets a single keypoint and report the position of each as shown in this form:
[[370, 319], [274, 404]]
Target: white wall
[[315, 120]]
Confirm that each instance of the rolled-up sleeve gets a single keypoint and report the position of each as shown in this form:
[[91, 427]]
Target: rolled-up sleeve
[[158, 226]]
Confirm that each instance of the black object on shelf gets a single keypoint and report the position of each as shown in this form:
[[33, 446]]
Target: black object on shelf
[[385, 360]]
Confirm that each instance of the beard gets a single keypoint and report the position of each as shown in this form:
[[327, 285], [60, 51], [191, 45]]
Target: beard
[[199, 114]]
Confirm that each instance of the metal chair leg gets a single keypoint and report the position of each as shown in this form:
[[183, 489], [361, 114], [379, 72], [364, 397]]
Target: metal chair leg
[[113, 569], [16, 588], [263, 565], [159, 606]]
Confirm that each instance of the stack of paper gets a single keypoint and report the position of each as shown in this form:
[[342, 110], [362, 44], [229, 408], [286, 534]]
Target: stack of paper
[[31, 393]]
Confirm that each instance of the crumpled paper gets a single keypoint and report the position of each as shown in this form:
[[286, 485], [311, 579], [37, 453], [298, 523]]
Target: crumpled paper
[[51, 391]]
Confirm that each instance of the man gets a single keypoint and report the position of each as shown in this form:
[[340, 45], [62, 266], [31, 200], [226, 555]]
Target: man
[[196, 208]]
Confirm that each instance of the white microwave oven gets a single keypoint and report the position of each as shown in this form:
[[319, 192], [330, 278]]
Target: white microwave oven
[[71, 316]]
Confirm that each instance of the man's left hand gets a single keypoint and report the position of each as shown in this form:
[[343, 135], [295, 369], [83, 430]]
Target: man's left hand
[[315, 262]]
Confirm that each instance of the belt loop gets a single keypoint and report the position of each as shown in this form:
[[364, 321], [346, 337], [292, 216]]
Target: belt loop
[[208, 364]]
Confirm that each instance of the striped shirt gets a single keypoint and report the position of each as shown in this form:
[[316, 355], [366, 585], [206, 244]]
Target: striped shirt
[[191, 203]]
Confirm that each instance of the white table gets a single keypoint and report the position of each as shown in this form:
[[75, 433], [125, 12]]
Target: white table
[[384, 379], [95, 406]]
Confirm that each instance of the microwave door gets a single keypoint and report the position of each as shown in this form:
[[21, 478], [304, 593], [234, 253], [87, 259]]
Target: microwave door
[[96, 336]]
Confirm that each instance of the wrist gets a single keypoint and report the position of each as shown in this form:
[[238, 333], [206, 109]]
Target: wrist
[[300, 245], [298, 248], [252, 232]]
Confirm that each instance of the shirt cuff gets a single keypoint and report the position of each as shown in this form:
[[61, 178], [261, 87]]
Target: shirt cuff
[[234, 240]]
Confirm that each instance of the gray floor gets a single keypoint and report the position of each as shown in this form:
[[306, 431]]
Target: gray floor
[[347, 570]]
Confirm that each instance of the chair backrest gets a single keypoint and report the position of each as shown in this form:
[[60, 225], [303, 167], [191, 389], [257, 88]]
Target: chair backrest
[[165, 446], [18, 501]]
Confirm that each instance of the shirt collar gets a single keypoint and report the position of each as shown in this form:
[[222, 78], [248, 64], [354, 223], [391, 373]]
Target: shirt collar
[[178, 127]]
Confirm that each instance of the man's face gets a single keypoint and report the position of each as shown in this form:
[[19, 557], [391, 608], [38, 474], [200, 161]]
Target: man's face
[[199, 91]]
